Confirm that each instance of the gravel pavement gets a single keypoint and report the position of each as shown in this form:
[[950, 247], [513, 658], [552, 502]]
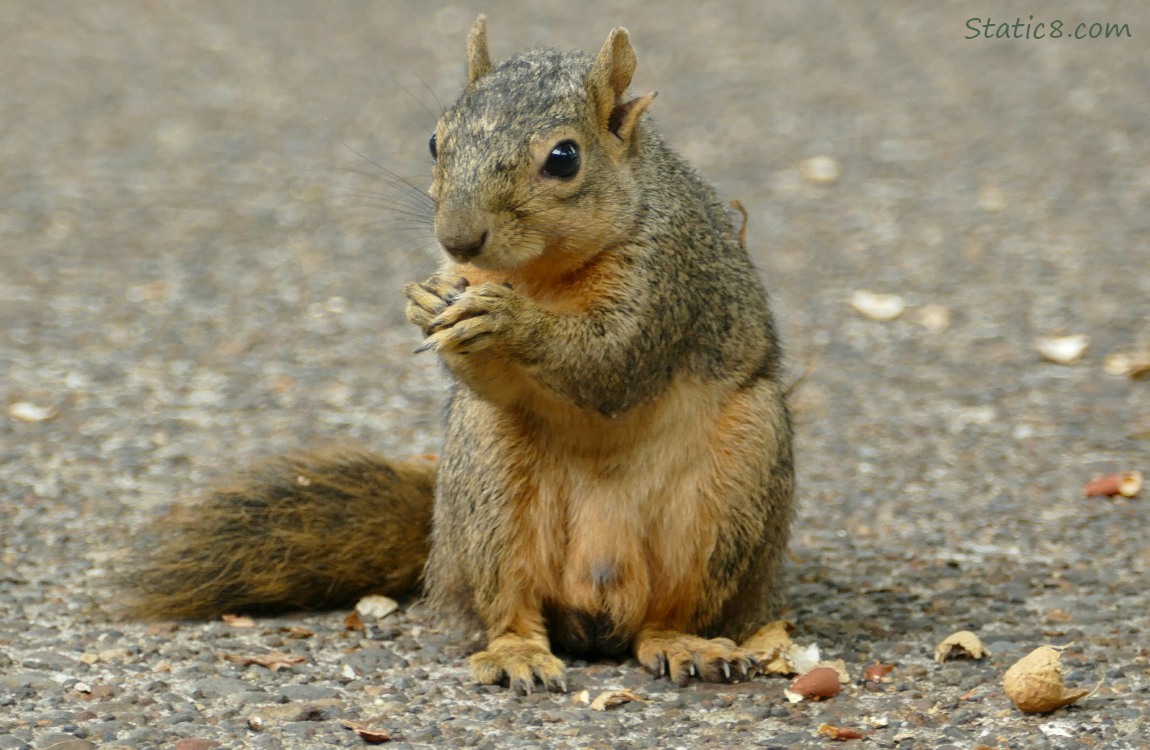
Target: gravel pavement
[[201, 250]]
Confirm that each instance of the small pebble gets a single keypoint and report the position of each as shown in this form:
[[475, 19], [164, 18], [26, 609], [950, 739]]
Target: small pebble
[[821, 170]]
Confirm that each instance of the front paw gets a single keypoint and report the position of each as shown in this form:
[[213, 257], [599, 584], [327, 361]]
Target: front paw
[[426, 300], [479, 318]]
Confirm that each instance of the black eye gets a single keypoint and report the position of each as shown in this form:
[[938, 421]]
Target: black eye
[[563, 161], [431, 147]]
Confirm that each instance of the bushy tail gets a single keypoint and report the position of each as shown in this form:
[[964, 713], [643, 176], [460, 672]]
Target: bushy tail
[[309, 531]]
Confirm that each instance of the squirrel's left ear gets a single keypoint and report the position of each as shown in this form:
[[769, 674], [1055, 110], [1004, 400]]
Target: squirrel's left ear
[[478, 58], [610, 76]]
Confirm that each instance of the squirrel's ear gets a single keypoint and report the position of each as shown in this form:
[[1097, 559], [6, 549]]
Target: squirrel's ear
[[625, 117], [611, 73], [478, 59]]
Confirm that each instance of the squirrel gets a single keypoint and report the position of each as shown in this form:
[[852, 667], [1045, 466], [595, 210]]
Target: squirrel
[[617, 469]]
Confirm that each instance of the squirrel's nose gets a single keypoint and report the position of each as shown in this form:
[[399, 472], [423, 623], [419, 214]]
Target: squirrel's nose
[[464, 248]]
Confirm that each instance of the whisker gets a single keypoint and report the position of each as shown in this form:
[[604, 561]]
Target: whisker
[[415, 98], [401, 199], [399, 189], [376, 201], [410, 186], [395, 209]]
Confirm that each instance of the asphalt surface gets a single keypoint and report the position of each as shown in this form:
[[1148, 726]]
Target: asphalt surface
[[202, 243]]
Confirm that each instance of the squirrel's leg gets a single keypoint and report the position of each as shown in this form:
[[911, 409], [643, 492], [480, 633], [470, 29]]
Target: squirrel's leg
[[521, 654], [487, 557], [680, 656], [750, 479]]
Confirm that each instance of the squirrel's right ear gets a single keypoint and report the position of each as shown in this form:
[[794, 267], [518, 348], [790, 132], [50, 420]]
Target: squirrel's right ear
[[478, 58]]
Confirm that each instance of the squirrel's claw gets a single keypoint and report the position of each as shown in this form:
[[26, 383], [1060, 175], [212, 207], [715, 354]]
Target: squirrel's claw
[[462, 338], [662, 669], [428, 299], [475, 319], [680, 657], [519, 661], [556, 683]]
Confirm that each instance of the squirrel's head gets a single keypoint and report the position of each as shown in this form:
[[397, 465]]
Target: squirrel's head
[[532, 163]]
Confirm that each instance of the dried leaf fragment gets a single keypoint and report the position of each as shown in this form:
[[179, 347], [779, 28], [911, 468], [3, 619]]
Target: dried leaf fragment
[[612, 698], [375, 606], [840, 733], [26, 412], [769, 643], [818, 684], [1126, 484], [1063, 350], [876, 306], [961, 644], [801, 659], [1034, 683], [1134, 366], [368, 734], [353, 621], [238, 621], [273, 660], [877, 672], [840, 668], [777, 653], [297, 631]]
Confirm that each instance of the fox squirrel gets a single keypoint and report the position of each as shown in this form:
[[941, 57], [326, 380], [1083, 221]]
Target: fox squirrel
[[616, 474]]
